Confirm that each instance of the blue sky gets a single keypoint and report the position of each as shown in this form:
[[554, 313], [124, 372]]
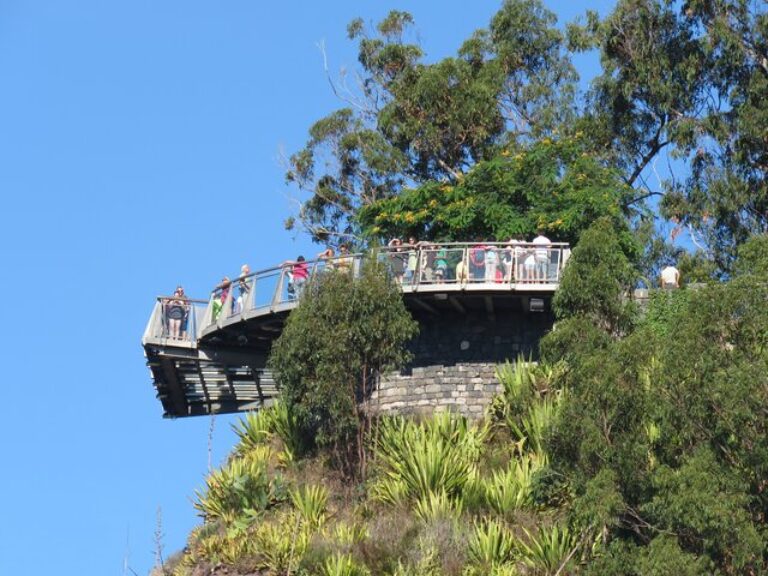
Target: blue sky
[[139, 148]]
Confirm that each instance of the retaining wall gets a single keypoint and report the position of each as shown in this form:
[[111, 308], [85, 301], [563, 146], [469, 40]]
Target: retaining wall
[[455, 359]]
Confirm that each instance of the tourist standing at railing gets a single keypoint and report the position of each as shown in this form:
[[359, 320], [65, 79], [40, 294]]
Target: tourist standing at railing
[[243, 288], [326, 258], [491, 264], [395, 257], [221, 300], [513, 259], [542, 246], [412, 261], [298, 273], [344, 261], [670, 277], [477, 262], [441, 264], [177, 310]]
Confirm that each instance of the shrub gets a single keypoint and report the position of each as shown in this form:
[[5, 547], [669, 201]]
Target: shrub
[[240, 486], [548, 551], [491, 545], [438, 455], [310, 502]]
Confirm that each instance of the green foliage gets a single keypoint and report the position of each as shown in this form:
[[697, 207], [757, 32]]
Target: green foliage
[[258, 428], [343, 334], [242, 486], [428, 462], [343, 565], [253, 430], [416, 122], [554, 185], [310, 502], [491, 545], [598, 276], [550, 551], [753, 256], [280, 544], [512, 489]]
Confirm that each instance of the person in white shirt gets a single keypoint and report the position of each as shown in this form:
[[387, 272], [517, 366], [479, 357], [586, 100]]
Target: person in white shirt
[[543, 245], [670, 277]]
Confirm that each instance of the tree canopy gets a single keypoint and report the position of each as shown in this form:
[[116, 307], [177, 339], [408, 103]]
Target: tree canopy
[[673, 127], [344, 332]]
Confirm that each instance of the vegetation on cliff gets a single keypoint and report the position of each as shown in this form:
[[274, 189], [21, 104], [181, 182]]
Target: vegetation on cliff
[[639, 444]]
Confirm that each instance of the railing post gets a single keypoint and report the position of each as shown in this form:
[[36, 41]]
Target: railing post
[[278, 295]]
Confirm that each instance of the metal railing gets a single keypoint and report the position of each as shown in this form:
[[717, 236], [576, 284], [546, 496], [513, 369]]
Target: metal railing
[[485, 266], [176, 319], [489, 263]]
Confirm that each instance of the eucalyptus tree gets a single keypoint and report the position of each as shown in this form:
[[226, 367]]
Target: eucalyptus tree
[[411, 121]]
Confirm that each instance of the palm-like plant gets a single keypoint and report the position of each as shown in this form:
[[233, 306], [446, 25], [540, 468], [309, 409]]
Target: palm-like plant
[[549, 551], [310, 502], [532, 428], [491, 545], [436, 505], [436, 456], [343, 565], [241, 485], [281, 544], [252, 431], [286, 426], [511, 489]]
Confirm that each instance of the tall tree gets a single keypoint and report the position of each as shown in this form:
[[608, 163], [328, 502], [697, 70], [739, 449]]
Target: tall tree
[[343, 334], [414, 122]]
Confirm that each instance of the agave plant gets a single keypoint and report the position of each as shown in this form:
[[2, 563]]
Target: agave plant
[[419, 459], [281, 544], [343, 565], [310, 502], [549, 551], [518, 379], [285, 425], [511, 489], [241, 485], [532, 428], [253, 430], [491, 545], [346, 535], [436, 505]]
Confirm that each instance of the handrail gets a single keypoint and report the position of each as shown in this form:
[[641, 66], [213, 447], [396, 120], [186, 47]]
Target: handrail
[[425, 266]]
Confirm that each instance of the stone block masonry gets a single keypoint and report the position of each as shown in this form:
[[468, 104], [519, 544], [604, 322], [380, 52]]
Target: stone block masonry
[[454, 362], [462, 388]]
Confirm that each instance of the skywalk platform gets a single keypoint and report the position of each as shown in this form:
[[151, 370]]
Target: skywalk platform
[[217, 362]]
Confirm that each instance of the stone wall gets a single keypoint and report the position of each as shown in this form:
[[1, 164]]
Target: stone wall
[[455, 359], [463, 388]]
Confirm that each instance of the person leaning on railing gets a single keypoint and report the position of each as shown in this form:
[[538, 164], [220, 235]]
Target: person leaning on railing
[[298, 273]]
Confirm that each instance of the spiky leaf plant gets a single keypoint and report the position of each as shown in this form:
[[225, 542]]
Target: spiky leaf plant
[[343, 565], [281, 544], [549, 551], [511, 489], [436, 505], [490, 545], [418, 459], [286, 426], [310, 502], [241, 485], [255, 429]]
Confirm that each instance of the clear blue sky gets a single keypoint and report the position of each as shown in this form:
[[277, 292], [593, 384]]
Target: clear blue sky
[[139, 148]]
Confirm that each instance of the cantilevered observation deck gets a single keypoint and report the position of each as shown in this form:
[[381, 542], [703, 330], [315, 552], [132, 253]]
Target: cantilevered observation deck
[[218, 362]]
